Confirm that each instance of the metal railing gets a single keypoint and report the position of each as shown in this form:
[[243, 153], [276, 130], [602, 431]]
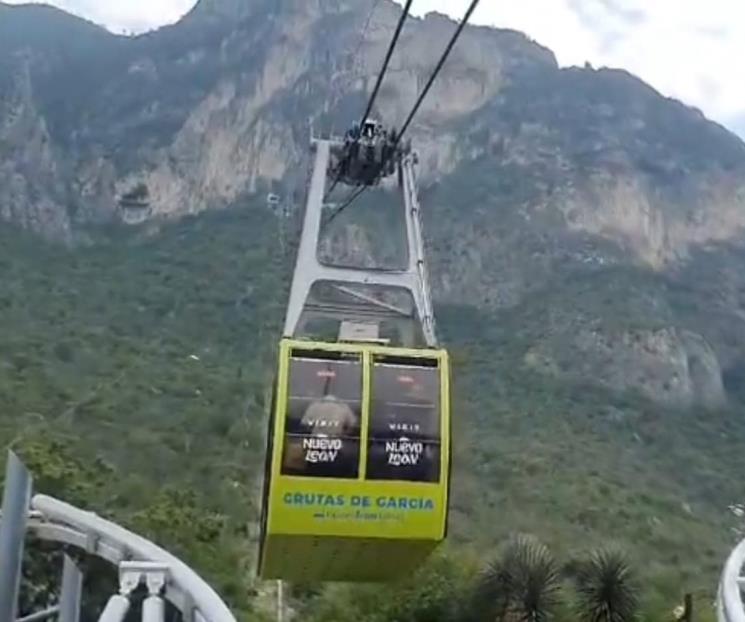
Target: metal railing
[[139, 561], [730, 606]]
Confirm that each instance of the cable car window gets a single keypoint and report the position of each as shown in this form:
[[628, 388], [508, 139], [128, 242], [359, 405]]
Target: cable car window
[[404, 439], [322, 426]]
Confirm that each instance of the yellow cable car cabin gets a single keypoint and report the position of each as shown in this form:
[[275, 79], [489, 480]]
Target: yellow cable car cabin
[[356, 487]]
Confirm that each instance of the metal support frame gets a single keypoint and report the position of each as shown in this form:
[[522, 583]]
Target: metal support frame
[[154, 576], [280, 602], [16, 498], [116, 609], [71, 593], [185, 589], [417, 262], [309, 269], [140, 562]]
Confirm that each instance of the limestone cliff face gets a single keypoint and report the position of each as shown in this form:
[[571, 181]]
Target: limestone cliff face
[[658, 230], [32, 185], [672, 367], [221, 104], [529, 173]]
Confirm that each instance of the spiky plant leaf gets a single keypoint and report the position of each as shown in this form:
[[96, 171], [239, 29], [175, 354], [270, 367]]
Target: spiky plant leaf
[[606, 588], [521, 586]]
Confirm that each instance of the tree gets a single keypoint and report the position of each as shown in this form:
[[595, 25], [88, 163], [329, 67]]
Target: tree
[[434, 593], [606, 588], [521, 586]]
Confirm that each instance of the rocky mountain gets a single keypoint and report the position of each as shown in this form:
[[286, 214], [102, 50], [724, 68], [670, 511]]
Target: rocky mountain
[[219, 104], [543, 186], [587, 247]]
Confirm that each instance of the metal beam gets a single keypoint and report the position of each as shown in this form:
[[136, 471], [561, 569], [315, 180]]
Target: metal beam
[[116, 609], [307, 254], [16, 500], [72, 588], [280, 601], [153, 609], [41, 615], [309, 269], [373, 301], [417, 263]]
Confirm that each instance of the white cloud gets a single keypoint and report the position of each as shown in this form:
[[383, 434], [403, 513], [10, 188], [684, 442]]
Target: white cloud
[[688, 49], [129, 15]]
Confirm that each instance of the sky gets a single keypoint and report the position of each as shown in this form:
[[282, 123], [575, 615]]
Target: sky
[[692, 50]]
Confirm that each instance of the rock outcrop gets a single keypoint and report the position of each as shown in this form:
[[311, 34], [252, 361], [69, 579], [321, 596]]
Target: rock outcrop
[[673, 367]]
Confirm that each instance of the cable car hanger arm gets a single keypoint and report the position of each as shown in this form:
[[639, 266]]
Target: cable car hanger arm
[[357, 193]]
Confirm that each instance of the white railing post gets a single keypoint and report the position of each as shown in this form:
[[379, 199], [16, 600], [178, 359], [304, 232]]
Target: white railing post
[[16, 498], [70, 596], [116, 609]]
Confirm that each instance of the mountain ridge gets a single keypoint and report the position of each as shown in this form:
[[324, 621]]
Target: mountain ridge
[[148, 110], [530, 173]]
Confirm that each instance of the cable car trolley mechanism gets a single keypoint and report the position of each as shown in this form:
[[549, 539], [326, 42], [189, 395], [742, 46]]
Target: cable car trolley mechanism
[[369, 153], [358, 455]]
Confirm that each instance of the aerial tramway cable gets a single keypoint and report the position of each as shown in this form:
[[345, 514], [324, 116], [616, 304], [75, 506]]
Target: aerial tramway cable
[[358, 192], [360, 41], [437, 70], [365, 28], [386, 62]]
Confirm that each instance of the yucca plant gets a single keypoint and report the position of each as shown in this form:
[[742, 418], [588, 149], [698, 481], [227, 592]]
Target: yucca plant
[[522, 585], [606, 588]]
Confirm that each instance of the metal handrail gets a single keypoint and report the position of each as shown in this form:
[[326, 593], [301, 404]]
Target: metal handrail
[[110, 538], [730, 606]]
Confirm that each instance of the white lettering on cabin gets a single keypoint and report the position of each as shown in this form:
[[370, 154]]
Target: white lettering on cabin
[[316, 456], [321, 450], [403, 427], [404, 452], [322, 443], [321, 423], [403, 459]]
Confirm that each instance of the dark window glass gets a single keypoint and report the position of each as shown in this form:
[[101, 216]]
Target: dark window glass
[[322, 427], [404, 439]]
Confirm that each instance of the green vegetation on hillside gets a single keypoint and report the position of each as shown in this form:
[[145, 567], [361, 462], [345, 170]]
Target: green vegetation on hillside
[[133, 376], [132, 379]]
